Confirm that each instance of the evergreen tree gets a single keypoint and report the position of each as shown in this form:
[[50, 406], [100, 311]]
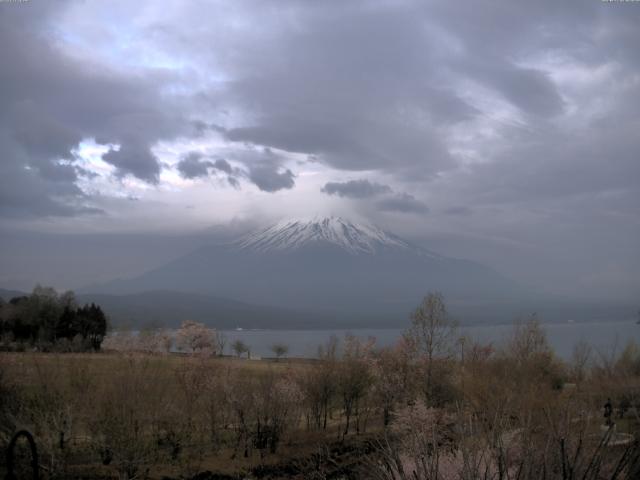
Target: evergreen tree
[[67, 324], [44, 316]]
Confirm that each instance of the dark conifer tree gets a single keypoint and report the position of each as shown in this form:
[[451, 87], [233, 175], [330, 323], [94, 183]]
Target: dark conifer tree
[[44, 316], [64, 326]]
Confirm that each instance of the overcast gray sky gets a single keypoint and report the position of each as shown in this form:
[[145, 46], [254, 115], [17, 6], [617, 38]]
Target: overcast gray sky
[[507, 132]]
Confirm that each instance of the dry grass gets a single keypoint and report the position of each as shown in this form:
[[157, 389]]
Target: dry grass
[[22, 367], [171, 416], [66, 392]]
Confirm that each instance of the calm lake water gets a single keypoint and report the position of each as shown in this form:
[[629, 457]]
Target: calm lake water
[[602, 336]]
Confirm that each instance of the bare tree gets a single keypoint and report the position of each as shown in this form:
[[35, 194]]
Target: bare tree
[[528, 340], [394, 375], [276, 409], [221, 343], [239, 347], [128, 409], [355, 378], [432, 332], [580, 358], [279, 349], [319, 385]]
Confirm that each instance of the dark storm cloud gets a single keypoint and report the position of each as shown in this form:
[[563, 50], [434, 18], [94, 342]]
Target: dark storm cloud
[[355, 189], [58, 172], [269, 179], [193, 166], [364, 85], [51, 102], [555, 166], [233, 174], [27, 193], [201, 128], [458, 210], [390, 202], [133, 158], [356, 98], [526, 110], [494, 37], [403, 203], [373, 85], [528, 89], [224, 166], [263, 167]]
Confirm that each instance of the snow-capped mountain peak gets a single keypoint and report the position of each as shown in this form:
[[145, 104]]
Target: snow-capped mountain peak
[[293, 234]]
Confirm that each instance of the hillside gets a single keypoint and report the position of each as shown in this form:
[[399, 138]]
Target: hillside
[[331, 267]]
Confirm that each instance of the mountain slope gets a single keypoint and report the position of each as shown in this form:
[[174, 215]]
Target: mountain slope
[[329, 265], [295, 234], [7, 295], [170, 308]]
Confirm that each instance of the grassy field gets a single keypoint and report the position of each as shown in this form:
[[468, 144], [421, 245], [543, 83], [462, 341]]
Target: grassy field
[[169, 395], [361, 414], [27, 368]]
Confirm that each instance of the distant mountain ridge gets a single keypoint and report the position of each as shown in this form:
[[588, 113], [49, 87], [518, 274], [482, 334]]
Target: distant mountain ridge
[[7, 295], [171, 308], [323, 272], [327, 272], [327, 266]]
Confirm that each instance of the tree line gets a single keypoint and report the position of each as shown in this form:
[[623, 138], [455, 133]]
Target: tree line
[[47, 320], [433, 406]]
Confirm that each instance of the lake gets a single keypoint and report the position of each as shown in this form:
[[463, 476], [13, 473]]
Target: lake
[[602, 336]]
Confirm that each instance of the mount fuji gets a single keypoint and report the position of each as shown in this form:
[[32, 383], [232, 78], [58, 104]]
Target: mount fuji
[[352, 237], [329, 267]]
